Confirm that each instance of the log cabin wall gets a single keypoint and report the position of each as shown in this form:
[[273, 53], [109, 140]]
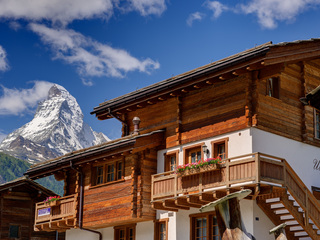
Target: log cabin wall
[[149, 167], [121, 201], [157, 116], [286, 115], [17, 208], [312, 80], [214, 109]]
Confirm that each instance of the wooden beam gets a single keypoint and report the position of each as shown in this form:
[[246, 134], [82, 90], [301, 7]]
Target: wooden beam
[[172, 204], [195, 200], [159, 206], [182, 201]]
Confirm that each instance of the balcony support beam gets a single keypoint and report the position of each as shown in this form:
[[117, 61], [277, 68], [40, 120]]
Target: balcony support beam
[[159, 206], [182, 201], [172, 204]]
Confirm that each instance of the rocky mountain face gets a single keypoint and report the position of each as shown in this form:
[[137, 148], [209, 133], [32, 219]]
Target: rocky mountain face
[[56, 129]]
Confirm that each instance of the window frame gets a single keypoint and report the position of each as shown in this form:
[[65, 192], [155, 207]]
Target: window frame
[[214, 147], [115, 163], [167, 158], [157, 224], [209, 226], [190, 149], [316, 124], [274, 89], [126, 229]]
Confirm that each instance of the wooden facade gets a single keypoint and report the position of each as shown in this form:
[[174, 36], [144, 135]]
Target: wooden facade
[[17, 207], [259, 89], [126, 198]]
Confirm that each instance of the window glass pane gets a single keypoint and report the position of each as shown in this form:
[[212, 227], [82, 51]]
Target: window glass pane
[[221, 151], [193, 157], [14, 231], [99, 173], [199, 222], [172, 163], [131, 237], [198, 156], [119, 175], [110, 174]]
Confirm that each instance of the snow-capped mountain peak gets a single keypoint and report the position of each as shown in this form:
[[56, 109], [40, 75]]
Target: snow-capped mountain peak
[[57, 128]]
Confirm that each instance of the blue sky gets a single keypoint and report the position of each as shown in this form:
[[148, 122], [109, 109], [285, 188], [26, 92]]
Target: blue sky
[[101, 49]]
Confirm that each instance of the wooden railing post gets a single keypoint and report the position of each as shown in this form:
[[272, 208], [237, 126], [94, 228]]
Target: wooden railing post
[[152, 183], [306, 212], [175, 184], [284, 173], [227, 173], [200, 182], [258, 170]]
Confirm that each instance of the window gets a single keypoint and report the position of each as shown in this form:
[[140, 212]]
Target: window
[[127, 232], [105, 173], [193, 153], [171, 159], [317, 124], [204, 227], [220, 148], [273, 87], [14, 231], [161, 229]]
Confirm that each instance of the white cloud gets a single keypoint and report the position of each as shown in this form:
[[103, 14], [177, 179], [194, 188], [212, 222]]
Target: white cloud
[[268, 12], [148, 7], [216, 7], [271, 11], [195, 16], [65, 11], [56, 10], [20, 101], [4, 66], [91, 57], [15, 25]]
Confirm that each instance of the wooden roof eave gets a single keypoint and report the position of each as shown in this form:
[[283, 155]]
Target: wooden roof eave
[[86, 156], [77, 158], [181, 86]]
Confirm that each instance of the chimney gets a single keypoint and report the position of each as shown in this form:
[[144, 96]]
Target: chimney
[[136, 122]]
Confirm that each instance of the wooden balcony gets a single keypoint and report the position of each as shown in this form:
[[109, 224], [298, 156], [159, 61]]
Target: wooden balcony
[[58, 217], [270, 178]]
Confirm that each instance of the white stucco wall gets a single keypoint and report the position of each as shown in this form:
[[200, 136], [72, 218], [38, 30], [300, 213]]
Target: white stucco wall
[[144, 231], [299, 155], [240, 142]]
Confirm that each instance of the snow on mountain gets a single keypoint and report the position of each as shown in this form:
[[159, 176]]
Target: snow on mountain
[[56, 129]]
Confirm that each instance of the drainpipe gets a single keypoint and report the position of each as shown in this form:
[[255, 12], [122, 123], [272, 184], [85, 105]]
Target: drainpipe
[[81, 204], [123, 122]]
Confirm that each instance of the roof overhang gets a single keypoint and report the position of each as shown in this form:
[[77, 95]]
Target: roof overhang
[[253, 59], [117, 147]]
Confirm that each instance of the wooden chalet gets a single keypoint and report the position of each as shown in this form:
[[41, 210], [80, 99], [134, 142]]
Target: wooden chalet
[[17, 208], [244, 110]]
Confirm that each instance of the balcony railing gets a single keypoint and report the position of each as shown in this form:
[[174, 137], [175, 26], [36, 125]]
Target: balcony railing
[[61, 216], [171, 191]]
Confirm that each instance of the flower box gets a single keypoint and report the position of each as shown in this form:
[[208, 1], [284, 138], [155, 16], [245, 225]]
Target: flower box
[[52, 203], [193, 171]]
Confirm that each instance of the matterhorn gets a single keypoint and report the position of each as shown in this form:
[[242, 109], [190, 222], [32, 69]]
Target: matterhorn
[[56, 129]]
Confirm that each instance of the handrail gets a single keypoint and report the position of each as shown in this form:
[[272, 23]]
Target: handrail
[[313, 213]]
